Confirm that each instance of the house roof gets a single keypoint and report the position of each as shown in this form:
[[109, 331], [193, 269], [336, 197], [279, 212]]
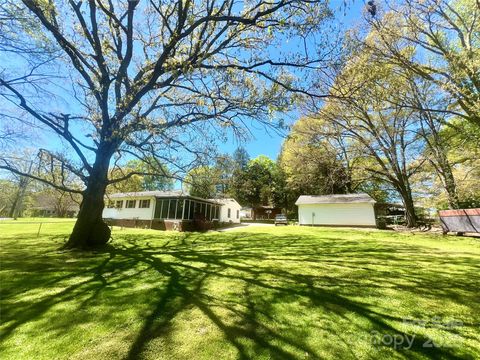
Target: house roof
[[173, 193], [225, 201], [158, 194], [334, 199]]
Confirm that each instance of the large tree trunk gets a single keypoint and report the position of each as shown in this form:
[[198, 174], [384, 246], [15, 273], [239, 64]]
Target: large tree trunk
[[444, 170], [90, 231], [451, 189], [446, 175], [410, 216]]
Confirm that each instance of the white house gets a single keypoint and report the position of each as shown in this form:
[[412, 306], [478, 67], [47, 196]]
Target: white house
[[229, 210], [336, 210], [168, 210]]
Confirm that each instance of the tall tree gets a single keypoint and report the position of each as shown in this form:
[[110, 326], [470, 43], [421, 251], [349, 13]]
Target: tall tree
[[365, 107], [7, 196], [316, 159], [241, 157], [438, 40], [202, 181], [149, 176], [428, 105], [153, 79], [257, 184], [63, 203]]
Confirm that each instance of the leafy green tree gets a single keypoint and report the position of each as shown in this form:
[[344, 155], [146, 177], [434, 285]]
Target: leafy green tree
[[310, 162], [145, 176], [463, 153], [366, 108], [149, 79], [258, 184], [202, 181], [240, 158], [438, 40], [7, 195]]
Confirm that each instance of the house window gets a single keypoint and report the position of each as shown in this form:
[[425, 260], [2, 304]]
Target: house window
[[130, 204], [144, 204], [229, 213], [238, 214], [119, 204]]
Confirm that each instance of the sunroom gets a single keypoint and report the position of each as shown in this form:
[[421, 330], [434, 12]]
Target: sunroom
[[161, 210]]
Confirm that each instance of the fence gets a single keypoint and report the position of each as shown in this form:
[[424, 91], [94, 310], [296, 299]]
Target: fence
[[32, 226]]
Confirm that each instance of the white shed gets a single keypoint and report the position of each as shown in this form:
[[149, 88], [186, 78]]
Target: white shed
[[336, 210]]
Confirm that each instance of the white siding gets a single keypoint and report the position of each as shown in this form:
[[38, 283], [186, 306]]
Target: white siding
[[234, 209], [337, 214], [132, 213]]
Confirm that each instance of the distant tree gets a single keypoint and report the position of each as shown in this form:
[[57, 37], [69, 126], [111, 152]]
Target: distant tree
[[240, 158], [311, 164], [225, 168], [258, 183], [149, 176], [202, 181], [7, 195], [26, 162], [463, 152]]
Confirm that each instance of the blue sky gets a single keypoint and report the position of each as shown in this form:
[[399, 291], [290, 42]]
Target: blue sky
[[267, 142]]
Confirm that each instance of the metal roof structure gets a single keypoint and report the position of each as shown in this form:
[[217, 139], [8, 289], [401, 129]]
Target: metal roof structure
[[334, 199]]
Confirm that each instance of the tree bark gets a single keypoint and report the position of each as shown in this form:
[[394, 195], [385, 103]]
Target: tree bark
[[449, 183], [451, 188], [410, 216], [90, 231], [440, 162]]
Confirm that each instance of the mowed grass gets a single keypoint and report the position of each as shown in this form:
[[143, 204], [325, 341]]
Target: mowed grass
[[251, 293]]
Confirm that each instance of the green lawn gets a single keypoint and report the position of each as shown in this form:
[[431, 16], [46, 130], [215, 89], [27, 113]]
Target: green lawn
[[256, 293]]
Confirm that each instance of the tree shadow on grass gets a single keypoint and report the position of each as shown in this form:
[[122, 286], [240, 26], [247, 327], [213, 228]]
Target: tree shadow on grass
[[279, 283], [200, 264]]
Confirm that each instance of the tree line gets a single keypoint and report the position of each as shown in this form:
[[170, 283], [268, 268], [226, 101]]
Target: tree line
[[401, 121]]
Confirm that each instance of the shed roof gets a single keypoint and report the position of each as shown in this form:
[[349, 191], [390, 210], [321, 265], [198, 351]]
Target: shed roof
[[334, 199]]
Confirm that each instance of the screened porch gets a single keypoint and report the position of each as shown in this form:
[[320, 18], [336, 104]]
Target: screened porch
[[185, 209]]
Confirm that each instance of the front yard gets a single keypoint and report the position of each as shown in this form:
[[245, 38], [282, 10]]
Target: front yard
[[254, 293]]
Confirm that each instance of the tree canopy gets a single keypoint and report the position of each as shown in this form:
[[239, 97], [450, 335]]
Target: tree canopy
[[147, 79]]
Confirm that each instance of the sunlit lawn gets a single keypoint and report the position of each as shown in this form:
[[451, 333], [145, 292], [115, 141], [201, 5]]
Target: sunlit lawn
[[256, 293]]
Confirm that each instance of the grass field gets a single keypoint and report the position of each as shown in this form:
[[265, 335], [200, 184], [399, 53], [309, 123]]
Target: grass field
[[253, 293]]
